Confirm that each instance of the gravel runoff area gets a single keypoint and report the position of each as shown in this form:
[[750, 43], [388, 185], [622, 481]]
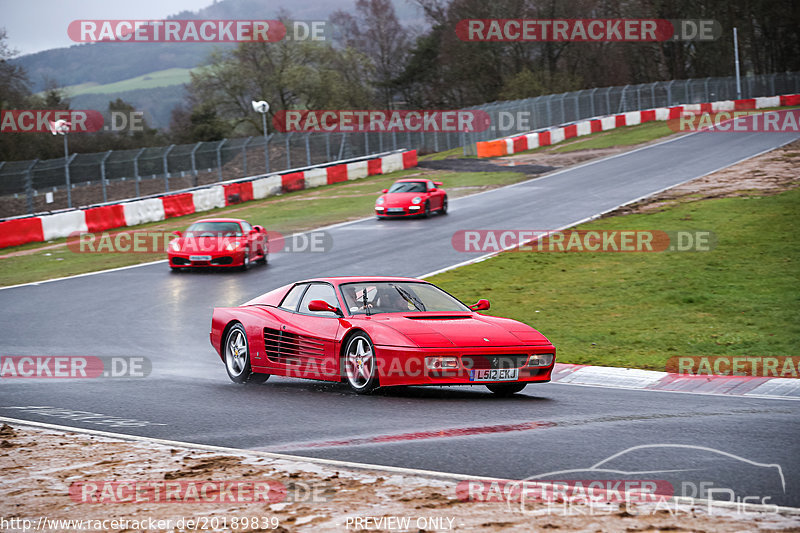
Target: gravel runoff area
[[51, 475]]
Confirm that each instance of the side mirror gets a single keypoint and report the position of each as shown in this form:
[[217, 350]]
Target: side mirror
[[321, 305], [482, 305], [438, 183], [259, 229], [177, 233], [384, 191]]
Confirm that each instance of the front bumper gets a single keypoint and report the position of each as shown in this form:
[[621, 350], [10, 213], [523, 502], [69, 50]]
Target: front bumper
[[399, 212], [406, 366], [226, 260]]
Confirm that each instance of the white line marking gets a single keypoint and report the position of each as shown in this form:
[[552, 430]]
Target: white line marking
[[358, 466], [84, 274]]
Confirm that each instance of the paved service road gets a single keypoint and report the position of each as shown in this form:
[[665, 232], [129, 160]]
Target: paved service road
[[149, 311]]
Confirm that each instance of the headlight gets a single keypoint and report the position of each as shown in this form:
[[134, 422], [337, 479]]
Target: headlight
[[416, 200], [541, 359], [231, 246], [175, 246], [380, 201]]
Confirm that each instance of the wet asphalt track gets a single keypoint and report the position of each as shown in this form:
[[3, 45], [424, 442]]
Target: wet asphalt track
[[148, 311]]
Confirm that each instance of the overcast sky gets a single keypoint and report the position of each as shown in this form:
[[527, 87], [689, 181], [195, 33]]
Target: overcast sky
[[36, 25]]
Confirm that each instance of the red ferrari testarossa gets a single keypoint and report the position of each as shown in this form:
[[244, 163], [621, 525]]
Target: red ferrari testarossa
[[375, 332]]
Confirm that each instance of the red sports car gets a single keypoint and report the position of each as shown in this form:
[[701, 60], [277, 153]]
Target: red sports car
[[410, 198], [219, 242], [375, 332]]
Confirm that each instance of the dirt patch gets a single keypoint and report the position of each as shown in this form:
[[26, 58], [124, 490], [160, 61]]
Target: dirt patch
[[47, 475], [767, 174]]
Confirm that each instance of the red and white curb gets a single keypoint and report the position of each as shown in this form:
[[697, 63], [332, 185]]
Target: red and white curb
[[528, 141], [632, 378], [17, 231]]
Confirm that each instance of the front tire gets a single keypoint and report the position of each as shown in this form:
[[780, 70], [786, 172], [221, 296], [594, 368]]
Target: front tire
[[263, 259], [427, 212], [246, 261], [237, 357], [506, 389], [360, 364]]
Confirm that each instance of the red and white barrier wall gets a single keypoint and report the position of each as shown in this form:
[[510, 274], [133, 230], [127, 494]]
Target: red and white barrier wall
[[18, 231], [529, 141]]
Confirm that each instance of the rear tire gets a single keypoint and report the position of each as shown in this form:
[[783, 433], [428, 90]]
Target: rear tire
[[443, 210], [506, 389], [237, 357], [360, 364]]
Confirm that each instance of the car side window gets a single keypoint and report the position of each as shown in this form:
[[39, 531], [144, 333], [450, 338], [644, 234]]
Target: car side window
[[293, 296], [431, 186], [246, 227], [319, 291]]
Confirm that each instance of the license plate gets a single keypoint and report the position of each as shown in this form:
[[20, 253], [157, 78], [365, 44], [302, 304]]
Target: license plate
[[494, 374], [199, 258], [395, 210]]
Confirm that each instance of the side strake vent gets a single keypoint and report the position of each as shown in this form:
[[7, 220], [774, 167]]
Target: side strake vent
[[290, 348]]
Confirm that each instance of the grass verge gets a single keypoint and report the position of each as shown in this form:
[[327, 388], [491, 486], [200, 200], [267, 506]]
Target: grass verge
[[287, 213], [639, 309]]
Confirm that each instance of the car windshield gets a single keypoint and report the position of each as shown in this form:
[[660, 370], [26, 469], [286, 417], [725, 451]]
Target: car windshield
[[227, 229], [373, 297], [409, 186]]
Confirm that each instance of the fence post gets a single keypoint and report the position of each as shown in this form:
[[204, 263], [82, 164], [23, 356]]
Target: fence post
[[219, 157], [166, 168], [578, 105], [688, 92], [341, 146], [308, 149], [653, 94], [103, 174], [328, 146], [67, 163], [288, 155], [194, 165], [244, 154], [136, 171], [366, 143], [591, 97], [28, 184], [394, 140], [707, 97], [608, 101], [622, 107]]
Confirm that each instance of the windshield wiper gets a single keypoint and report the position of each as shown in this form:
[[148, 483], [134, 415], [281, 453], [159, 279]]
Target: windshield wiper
[[409, 298]]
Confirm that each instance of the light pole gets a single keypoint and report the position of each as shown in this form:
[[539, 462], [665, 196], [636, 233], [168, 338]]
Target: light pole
[[736, 59], [62, 127], [262, 107]]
